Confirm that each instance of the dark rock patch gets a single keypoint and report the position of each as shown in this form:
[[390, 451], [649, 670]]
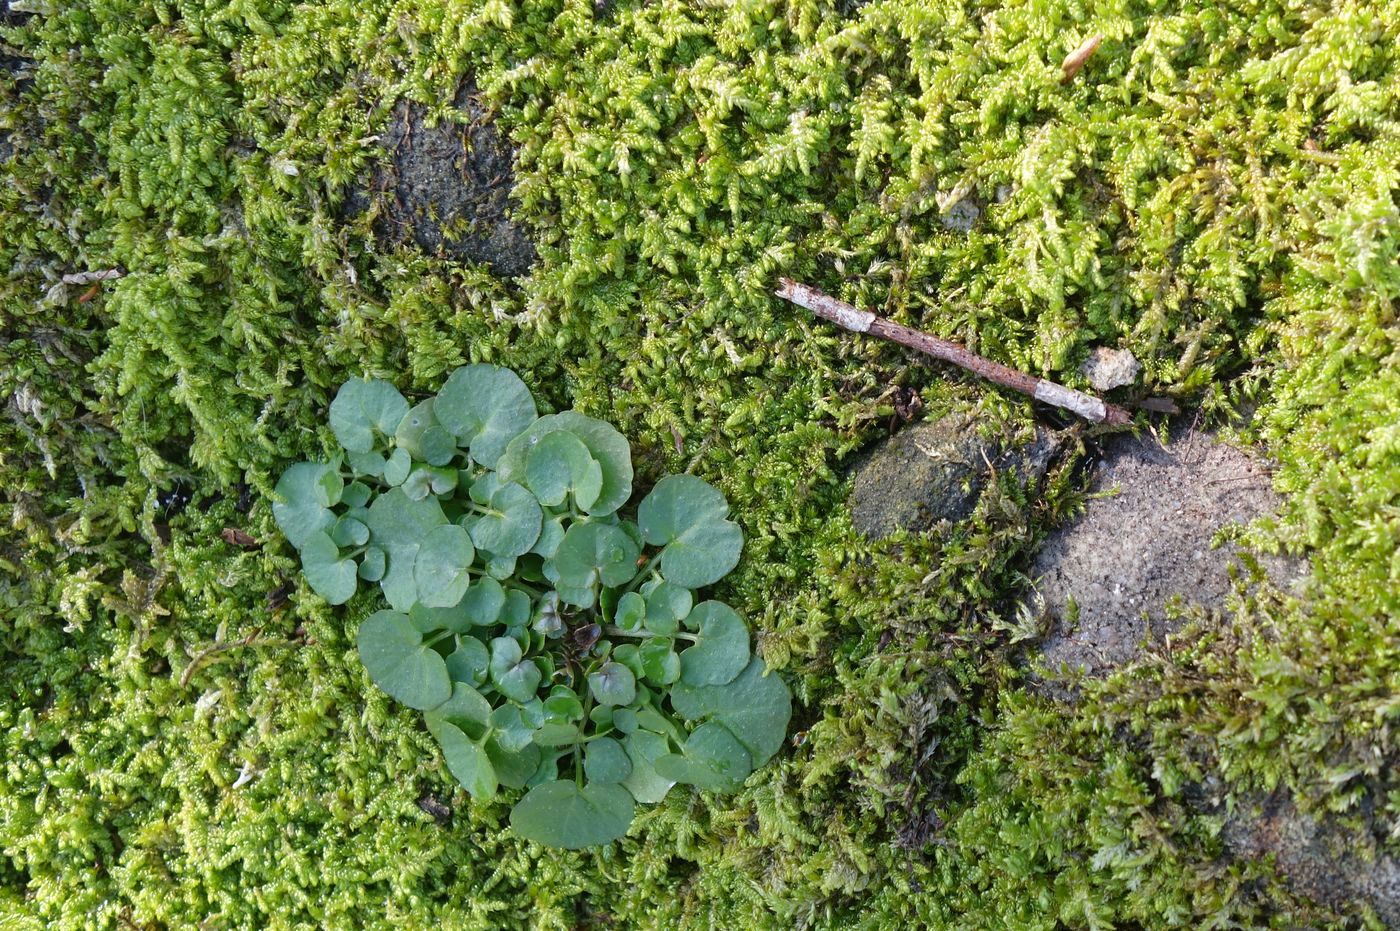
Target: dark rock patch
[[1146, 543], [446, 187], [1332, 866], [934, 471]]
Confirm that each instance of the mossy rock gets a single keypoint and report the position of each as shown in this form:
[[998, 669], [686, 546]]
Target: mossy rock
[[933, 472], [445, 187]]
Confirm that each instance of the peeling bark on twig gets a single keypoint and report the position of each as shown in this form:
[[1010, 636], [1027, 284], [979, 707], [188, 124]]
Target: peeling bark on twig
[[861, 321]]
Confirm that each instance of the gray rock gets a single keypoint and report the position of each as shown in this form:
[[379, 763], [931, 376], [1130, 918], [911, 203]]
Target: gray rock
[[447, 187], [934, 471], [1145, 543], [1330, 865], [1107, 368], [962, 216]]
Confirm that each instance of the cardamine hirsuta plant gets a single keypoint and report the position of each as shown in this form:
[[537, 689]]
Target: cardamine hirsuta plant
[[552, 644]]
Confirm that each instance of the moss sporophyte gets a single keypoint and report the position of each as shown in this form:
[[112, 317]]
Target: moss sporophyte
[[552, 645]]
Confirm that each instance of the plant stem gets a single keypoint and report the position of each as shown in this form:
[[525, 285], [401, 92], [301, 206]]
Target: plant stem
[[643, 634]]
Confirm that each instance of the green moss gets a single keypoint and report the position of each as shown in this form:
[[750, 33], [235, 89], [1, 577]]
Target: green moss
[[1216, 191]]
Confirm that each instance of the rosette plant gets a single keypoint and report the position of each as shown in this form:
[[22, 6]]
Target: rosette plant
[[553, 645]]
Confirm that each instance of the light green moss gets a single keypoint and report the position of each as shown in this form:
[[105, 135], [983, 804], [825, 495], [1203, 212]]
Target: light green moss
[[1215, 191]]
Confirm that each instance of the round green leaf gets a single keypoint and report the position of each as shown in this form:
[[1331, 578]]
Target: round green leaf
[[425, 480], [644, 782], [511, 524], [722, 649], [372, 565], [486, 406], [468, 663], [592, 553], [667, 605], [467, 709], [712, 759], [467, 761], [514, 676], [513, 728], [424, 438], [607, 447], [399, 663], [356, 495], [560, 465], [329, 576], [660, 664], [631, 612], [561, 814], [513, 767], [687, 517], [364, 411], [371, 464], [516, 610], [398, 525], [613, 684], [755, 707], [349, 532], [483, 602], [440, 568], [397, 467], [605, 761], [305, 492]]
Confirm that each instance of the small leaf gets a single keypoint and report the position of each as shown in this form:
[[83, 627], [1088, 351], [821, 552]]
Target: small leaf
[[467, 709], [440, 568], [372, 565], [560, 814], [364, 411], [631, 612], [591, 553], [399, 663], [712, 759], [306, 492], [514, 676], [398, 525], [511, 524], [356, 495], [397, 467], [513, 767], [563, 706], [424, 438], [687, 517], [514, 730], [370, 464], [667, 605], [604, 760], [660, 664], [467, 761], [468, 663], [349, 532], [755, 707], [516, 611], [644, 782], [613, 684], [331, 577], [607, 447], [483, 602], [486, 406], [551, 535], [552, 734], [425, 480], [560, 465], [722, 649]]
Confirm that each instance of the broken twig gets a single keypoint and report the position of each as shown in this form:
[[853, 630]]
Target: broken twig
[[861, 321]]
